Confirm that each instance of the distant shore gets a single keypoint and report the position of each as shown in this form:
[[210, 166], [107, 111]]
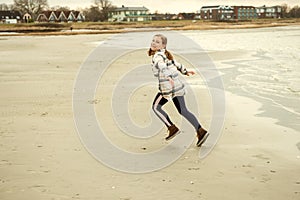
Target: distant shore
[[121, 27]]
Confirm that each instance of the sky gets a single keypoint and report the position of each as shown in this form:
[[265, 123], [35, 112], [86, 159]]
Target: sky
[[168, 6]]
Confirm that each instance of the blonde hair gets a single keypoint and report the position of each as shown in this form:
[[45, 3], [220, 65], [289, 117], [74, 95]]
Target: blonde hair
[[164, 41]]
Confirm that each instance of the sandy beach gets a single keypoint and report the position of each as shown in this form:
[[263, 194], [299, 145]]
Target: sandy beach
[[257, 156]]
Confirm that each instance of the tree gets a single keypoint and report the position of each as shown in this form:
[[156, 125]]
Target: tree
[[4, 6], [105, 6], [60, 8], [295, 12], [284, 10], [92, 14], [33, 7]]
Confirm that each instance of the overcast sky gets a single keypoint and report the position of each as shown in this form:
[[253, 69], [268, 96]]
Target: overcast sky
[[171, 6]]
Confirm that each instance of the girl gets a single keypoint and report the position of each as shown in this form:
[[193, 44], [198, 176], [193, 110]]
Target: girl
[[170, 87]]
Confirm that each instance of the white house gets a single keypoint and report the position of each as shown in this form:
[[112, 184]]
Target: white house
[[129, 14], [10, 17], [269, 12], [218, 12], [60, 16]]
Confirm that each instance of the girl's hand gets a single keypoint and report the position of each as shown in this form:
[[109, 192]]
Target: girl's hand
[[190, 73]]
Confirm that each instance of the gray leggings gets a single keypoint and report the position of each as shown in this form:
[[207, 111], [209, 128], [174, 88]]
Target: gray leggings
[[179, 103]]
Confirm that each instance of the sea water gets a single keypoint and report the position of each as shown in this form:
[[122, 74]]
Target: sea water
[[261, 63]]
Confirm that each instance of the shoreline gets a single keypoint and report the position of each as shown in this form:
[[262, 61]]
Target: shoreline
[[86, 28]]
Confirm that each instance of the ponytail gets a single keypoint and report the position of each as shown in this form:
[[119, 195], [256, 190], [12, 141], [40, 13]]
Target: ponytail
[[151, 52], [169, 55]]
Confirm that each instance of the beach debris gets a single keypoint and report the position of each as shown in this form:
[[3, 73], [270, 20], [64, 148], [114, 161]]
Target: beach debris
[[261, 156], [192, 182], [248, 165], [44, 114], [5, 162], [95, 101], [113, 187], [194, 168], [76, 196], [144, 148]]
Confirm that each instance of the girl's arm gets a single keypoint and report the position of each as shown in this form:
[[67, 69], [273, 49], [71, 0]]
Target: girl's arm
[[180, 67]]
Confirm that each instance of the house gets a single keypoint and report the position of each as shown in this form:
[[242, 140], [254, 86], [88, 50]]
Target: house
[[244, 12], [209, 12], [167, 16], [27, 18], [10, 17], [60, 16], [217, 13], [269, 12], [129, 14], [186, 16]]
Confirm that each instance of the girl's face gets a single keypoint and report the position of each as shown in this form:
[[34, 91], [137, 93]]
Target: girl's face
[[157, 44]]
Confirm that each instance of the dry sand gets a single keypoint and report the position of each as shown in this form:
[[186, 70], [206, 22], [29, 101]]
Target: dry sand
[[42, 157]]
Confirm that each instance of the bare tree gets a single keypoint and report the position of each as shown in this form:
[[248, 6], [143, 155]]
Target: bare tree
[[60, 8], [284, 10], [33, 7], [295, 12], [105, 6], [288, 12], [92, 14], [4, 6]]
